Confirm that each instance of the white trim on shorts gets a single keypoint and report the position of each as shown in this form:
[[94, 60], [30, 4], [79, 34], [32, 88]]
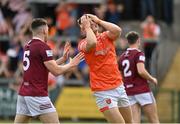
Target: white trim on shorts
[[34, 106], [142, 99], [112, 98]]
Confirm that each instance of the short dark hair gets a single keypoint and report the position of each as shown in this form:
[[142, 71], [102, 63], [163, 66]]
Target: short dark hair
[[132, 37], [38, 22]]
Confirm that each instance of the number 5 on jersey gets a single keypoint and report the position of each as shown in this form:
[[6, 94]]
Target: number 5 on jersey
[[26, 61], [126, 65]]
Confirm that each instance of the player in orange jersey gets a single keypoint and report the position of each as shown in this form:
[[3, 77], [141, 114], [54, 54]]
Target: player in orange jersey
[[105, 79]]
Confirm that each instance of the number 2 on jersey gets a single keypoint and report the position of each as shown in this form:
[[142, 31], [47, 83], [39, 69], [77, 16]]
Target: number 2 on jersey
[[126, 65], [26, 60]]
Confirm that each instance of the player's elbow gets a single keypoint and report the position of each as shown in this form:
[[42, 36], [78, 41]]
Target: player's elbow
[[53, 68], [141, 72], [116, 33], [55, 73], [119, 30]]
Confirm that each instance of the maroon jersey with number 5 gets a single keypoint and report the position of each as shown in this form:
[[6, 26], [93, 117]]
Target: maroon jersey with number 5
[[134, 83], [35, 78]]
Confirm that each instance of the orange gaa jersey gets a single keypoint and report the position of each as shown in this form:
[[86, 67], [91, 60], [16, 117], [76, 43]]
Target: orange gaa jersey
[[104, 72]]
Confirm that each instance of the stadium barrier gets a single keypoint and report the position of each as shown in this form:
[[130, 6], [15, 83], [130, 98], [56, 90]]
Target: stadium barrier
[[168, 105], [77, 102]]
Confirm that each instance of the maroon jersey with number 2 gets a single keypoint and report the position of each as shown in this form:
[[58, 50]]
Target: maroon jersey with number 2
[[134, 83], [35, 78]]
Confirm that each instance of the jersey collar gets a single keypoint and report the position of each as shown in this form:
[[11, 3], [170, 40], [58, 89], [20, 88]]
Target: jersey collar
[[34, 38], [37, 38], [132, 49]]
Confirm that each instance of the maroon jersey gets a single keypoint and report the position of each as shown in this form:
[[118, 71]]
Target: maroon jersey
[[134, 83], [35, 78]]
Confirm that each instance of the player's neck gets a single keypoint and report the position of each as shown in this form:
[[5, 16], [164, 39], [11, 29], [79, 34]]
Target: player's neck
[[96, 33], [39, 37], [134, 46]]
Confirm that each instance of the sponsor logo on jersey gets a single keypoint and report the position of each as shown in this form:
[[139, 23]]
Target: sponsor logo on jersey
[[129, 85], [49, 53], [26, 83], [103, 51], [142, 58]]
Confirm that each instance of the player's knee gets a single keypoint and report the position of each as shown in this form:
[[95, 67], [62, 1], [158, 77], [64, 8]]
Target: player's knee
[[152, 117]]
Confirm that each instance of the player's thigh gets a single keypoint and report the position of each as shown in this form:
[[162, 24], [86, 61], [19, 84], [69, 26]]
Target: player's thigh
[[39, 105], [136, 112], [113, 115], [21, 119], [50, 118], [107, 102], [124, 105], [109, 108], [151, 112], [145, 98], [23, 114], [127, 114], [148, 103]]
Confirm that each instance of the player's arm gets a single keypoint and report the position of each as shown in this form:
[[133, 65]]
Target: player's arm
[[56, 69], [61, 60], [144, 74], [65, 54], [113, 31], [90, 36]]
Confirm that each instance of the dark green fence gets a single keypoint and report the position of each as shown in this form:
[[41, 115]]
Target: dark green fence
[[168, 103]]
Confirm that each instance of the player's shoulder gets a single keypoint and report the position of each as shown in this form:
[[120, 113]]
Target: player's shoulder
[[37, 44], [104, 35], [139, 56], [134, 51], [123, 53], [139, 52], [41, 44], [131, 52], [82, 40]]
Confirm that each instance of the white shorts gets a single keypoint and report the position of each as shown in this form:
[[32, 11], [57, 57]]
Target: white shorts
[[111, 98], [34, 106], [142, 99]]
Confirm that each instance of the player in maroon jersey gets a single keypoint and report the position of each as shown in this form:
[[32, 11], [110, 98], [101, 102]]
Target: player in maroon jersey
[[38, 60], [136, 79]]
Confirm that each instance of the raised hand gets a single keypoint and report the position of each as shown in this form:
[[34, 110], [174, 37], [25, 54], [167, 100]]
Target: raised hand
[[77, 59], [154, 80], [94, 18], [85, 21], [66, 50]]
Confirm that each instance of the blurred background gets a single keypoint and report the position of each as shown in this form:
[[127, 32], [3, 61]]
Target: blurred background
[[158, 22]]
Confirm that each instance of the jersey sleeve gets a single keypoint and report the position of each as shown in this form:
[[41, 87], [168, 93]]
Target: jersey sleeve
[[140, 58], [46, 53], [82, 46]]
